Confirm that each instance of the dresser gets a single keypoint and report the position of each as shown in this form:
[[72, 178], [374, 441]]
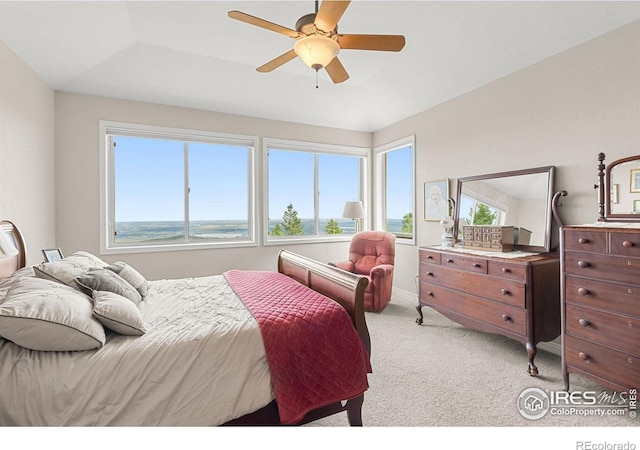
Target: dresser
[[515, 297], [601, 304]]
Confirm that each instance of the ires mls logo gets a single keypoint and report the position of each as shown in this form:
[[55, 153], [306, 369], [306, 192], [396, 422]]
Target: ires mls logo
[[535, 403]]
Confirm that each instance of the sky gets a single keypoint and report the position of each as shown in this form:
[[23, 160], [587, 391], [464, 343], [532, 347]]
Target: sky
[[150, 180]]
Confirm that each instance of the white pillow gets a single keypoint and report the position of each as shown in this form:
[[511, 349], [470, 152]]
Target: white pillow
[[45, 315], [118, 313], [65, 270]]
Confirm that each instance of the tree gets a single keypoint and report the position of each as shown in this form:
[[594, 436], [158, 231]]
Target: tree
[[407, 223], [291, 222], [332, 227], [483, 215], [277, 231]]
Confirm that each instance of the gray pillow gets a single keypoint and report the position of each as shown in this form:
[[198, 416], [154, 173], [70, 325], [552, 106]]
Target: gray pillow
[[65, 270], [48, 316], [131, 275], [106, 280], [118, 313]]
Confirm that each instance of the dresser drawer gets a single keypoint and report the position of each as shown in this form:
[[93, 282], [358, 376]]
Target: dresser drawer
[[585, 241], [496, 314], [468, 263], [612, 268], [507, 270], [500, 289], [618, 367], [430, 257], [623, 298], [618, 331], [624, 244]]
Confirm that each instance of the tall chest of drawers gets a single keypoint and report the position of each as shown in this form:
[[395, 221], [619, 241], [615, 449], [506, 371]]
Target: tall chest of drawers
[[515, 297], [601, 305]]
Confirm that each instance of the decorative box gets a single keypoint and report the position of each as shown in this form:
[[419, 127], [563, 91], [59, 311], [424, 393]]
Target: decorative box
[[488, 237]]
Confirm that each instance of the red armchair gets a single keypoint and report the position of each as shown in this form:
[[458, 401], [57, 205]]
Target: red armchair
[[372, 254]]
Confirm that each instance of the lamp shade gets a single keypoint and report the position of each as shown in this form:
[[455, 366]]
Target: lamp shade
[[7, 248], [316, 50], [354, 210]]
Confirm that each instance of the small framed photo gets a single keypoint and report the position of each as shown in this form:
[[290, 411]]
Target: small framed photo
[[635, 180], [614, 193], [436, 200], [636, 206], [52, 254]]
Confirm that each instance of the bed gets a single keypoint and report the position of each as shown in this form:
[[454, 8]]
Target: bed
[[84, 342]]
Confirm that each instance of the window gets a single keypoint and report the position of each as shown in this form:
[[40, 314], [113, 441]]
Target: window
[[173, 189], [307, 186], [395, 188]]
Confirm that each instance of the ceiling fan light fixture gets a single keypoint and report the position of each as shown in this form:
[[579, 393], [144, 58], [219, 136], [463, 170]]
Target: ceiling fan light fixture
[[316, 50]]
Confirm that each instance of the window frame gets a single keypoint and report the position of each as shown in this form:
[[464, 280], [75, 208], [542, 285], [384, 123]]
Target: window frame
[[315, 149], [107, 184], [380, 186]]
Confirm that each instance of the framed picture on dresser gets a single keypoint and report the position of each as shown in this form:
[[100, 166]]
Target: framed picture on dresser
[[52, 254]]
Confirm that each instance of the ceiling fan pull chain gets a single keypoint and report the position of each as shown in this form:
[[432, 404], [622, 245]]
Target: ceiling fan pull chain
[[316, 79]]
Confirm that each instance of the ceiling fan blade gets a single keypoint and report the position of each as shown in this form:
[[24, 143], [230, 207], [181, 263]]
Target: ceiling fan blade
[[329, 14], [336, 71], [242, 17], [277, 62], [380, 42]]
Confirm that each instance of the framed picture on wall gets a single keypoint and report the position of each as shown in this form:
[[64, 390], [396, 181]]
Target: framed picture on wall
[[635, 180], [636, 206], [436, 200], [52, 254]]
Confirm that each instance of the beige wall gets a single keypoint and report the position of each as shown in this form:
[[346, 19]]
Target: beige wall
[[27, 177], [78, 190], [562, 111]]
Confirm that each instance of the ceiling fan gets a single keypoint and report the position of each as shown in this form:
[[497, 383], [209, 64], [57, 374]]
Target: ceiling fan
[[318, 41]]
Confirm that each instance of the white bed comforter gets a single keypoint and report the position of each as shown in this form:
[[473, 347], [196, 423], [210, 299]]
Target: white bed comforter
[[201, 362]]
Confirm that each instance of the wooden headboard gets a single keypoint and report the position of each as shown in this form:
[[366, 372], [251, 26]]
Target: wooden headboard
[[11, 264]]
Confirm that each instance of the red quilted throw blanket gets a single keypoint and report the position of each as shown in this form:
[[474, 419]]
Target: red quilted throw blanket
[[315, 355]]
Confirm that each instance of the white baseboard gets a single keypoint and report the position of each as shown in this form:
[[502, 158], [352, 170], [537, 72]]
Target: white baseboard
[[411, 298]]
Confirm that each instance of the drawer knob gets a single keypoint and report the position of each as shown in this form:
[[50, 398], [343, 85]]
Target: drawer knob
[[429, 257], [429, 274], [583, 356], [627, 244], [583, 264], [583, 241], [506, 318], [476, 265], [505, 291], [583, 322], [430, 294], [505, 270], [450, 261], [630, 361], [583, 291]]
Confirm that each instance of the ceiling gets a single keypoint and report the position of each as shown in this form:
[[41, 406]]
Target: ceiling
[[191, 54]]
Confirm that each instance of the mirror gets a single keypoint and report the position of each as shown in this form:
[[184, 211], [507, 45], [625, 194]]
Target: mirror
[[622, 181], [520, 198]]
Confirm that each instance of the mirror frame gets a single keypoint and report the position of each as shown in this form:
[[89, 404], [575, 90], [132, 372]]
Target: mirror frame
[[604, 186], [549, 170]]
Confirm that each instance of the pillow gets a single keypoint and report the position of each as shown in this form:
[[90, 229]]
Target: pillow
[[118, 313], [131, 275], [106, 280], [65, 270], [45, 315]]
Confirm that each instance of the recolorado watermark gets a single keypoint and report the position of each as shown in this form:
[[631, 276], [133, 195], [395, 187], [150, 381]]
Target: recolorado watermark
[[535, 403], [589, 445]]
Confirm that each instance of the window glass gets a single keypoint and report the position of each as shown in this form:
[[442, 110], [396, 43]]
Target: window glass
[[218, 191], [399, 191], [149, 198], [176, 188], [308, 189]]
